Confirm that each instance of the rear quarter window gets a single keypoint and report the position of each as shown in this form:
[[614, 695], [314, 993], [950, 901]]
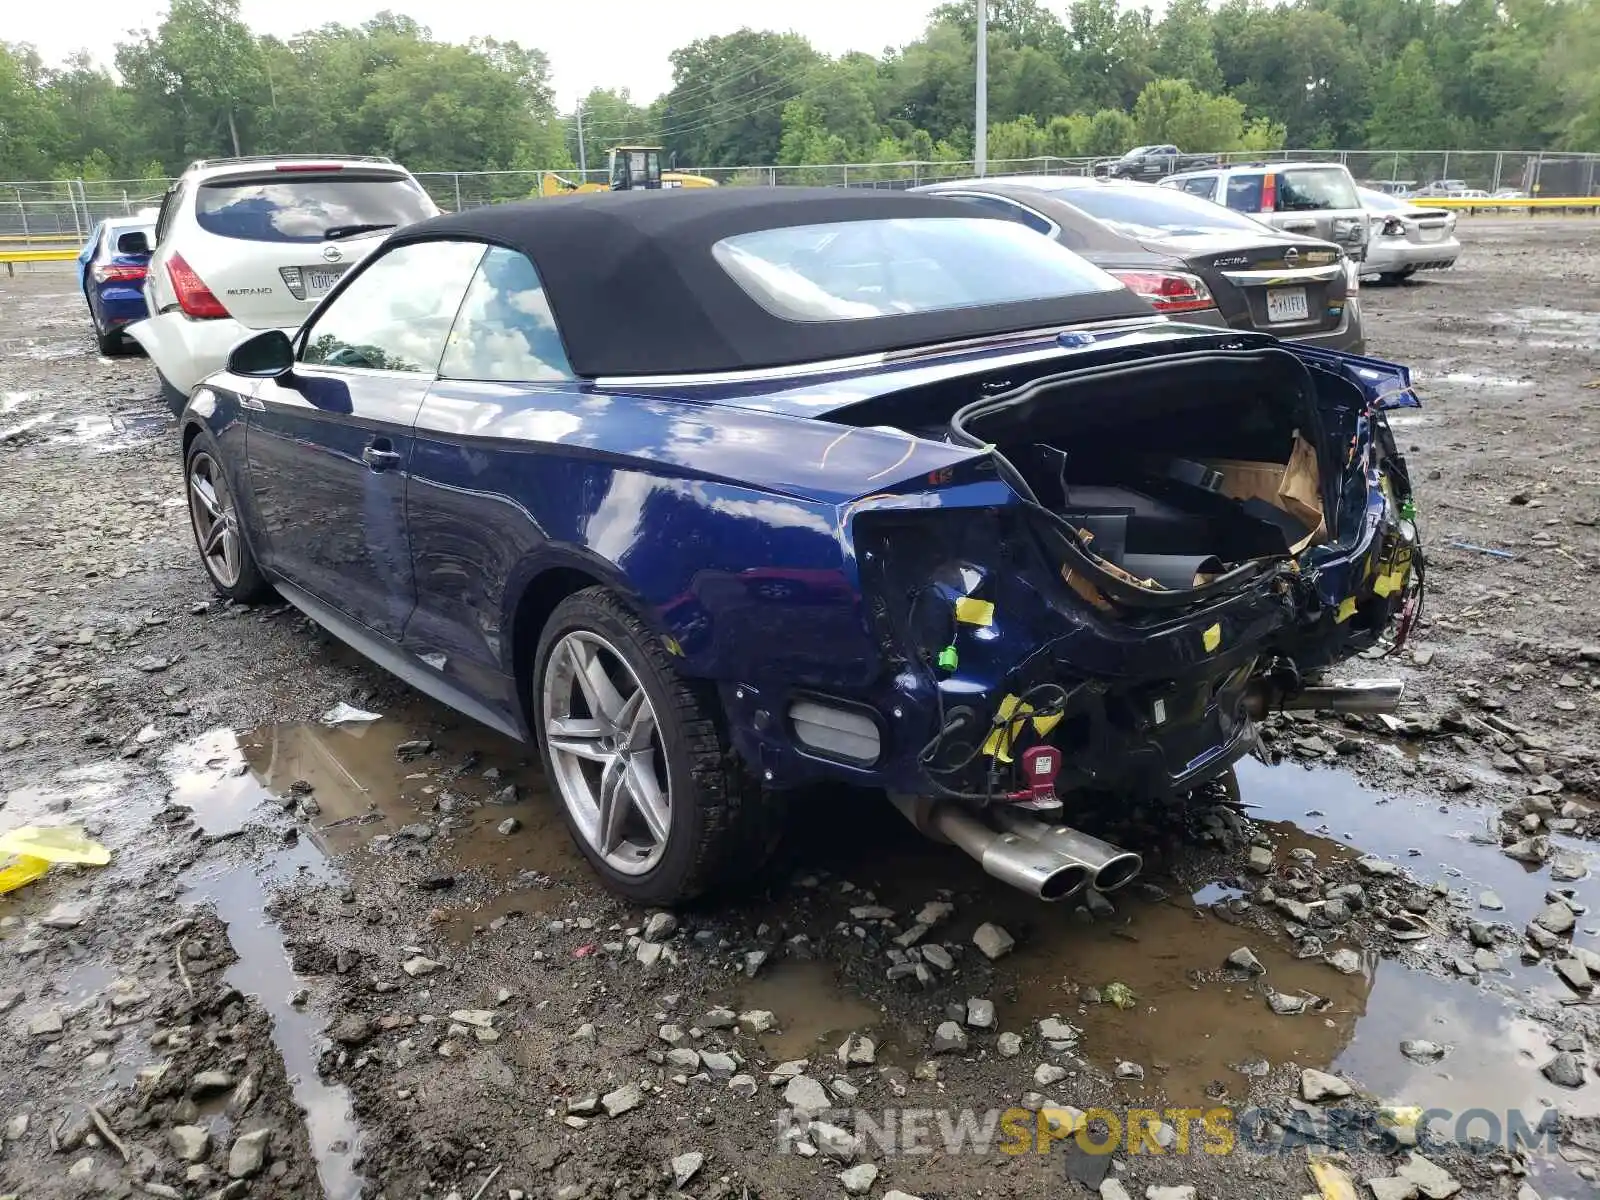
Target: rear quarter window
[[1005, 209], [1312, 189], [307, 208], [1244, 193], [1138, 211]]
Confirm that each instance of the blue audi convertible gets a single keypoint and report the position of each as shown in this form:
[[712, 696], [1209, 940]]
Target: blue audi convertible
[[715, 494]]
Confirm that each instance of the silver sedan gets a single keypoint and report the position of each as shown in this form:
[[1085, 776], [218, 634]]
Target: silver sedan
[[1404, 238]]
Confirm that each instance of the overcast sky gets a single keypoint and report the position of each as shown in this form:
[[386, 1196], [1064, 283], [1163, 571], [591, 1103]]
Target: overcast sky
[[591, 43]]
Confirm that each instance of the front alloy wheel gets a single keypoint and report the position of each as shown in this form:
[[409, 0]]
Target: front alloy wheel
[[602, 734]]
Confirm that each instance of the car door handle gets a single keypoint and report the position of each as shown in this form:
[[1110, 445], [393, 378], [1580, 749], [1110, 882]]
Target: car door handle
[[379, 456]]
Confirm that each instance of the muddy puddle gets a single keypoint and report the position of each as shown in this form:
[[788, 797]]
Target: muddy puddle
[[382, 784], [1197, 1034], [80, 425], [1470, 379], [368, 785], [815, 1014], [1557, 326], [212, 776]]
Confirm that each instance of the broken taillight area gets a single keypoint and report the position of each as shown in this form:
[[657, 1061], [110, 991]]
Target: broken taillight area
[[1170, 533]]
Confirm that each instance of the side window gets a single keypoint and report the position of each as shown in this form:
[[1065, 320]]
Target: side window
[[1204, 186], [396, 314], [1244, 193], [1008, 210], [169, 207], [505, 331]]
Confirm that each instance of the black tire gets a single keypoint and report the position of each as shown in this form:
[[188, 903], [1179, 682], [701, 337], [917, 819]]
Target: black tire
[[170, 395], [109, 344], [250, 585], [721, 824]]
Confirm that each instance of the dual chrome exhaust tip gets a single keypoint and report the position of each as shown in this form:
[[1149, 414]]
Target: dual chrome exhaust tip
[[1048, 861]]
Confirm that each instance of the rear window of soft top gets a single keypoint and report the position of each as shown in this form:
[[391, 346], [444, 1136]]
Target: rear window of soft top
[[859, 270], [295, 207]]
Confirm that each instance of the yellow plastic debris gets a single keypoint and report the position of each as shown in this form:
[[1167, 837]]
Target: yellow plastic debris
[[1400, 1121], [971, 611], [55, 844], [1212, 638], [1119, 994], [1346, 610], [20, 870], [1331, 1180]]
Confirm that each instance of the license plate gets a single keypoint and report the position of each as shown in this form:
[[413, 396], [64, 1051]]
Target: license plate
[[1287, 304], [320, 280], [1432, 235]]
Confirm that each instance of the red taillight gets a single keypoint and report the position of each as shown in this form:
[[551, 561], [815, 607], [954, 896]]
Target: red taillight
[[1168, 291], [1269, 192], [309, 167], [194, 297], [118, 274]]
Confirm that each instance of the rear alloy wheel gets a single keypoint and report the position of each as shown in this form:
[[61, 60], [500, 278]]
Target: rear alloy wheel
[[214, 518], [653, 798], [107, 343]]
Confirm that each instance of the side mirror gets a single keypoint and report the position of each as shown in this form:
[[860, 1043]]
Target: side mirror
[[267, 355], [133, 242]]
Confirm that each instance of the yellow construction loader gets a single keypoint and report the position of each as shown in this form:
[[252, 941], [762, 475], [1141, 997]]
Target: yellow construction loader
[[632, 168]]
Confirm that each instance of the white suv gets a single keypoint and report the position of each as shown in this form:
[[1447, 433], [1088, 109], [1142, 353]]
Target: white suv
[[1315, 198], [244, 244]]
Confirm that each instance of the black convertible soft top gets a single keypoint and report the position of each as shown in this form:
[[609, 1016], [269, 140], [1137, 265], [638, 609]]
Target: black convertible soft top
[[635, 290]]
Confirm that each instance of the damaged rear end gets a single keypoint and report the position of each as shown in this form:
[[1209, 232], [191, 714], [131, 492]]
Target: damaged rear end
[[1144, 553]]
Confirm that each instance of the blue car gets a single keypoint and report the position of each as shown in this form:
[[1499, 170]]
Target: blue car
[[111, 271], [713, 495]]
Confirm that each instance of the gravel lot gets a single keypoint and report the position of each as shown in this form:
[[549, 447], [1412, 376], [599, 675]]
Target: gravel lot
[[364, 960]]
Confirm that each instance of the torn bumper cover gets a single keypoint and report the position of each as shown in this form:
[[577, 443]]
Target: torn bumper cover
[[1121, 626]]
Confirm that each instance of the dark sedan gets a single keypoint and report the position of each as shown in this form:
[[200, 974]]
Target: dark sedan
[[111, 271], [715, 494], [1192, 259]]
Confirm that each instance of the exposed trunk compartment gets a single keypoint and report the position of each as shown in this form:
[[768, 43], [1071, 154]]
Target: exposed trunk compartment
[[1172, 474], [1146, 553]]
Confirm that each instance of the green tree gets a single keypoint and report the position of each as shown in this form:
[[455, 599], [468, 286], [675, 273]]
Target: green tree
[[1185, 46], [27, 126], [203, 62], [1172, 110], [1407, 108], [1110, 131], [726, 104]]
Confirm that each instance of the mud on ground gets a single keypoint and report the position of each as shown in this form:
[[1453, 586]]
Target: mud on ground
[[365, 959]]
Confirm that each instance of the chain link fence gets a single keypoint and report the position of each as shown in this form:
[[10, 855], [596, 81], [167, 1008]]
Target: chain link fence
[[63, 212], [53, 212]]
